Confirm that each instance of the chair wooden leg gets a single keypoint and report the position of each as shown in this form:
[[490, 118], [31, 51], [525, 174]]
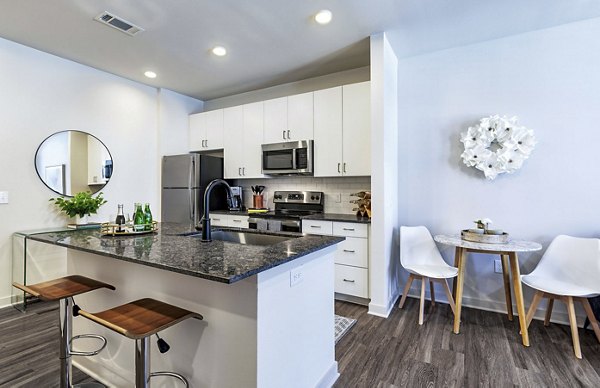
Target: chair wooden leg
[[506, 277], [591, 317], [537, 298], [422, 303], [449, 295], [574, 330], [549, 311], [411, 277], [432, 293]]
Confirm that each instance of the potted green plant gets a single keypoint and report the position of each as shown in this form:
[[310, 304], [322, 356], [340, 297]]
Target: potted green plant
[[81, 205]]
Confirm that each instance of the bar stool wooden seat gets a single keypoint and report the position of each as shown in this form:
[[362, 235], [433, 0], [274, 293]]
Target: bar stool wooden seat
[[139, 320], [64, 289]]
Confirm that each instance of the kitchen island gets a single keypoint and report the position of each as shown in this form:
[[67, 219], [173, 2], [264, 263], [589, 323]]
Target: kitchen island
[[268, 310]]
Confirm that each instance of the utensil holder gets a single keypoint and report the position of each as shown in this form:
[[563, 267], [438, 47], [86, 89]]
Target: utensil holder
[[257, 201]]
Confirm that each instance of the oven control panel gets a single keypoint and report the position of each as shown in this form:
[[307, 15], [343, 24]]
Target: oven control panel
[[311, 197]]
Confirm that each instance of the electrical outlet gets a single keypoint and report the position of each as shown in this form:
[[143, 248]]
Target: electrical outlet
[[497, 266], [296, 276], [338, 198], [3, 196]]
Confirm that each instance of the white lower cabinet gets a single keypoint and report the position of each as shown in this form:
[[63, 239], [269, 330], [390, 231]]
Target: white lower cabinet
[[352, 256], [229, 220]]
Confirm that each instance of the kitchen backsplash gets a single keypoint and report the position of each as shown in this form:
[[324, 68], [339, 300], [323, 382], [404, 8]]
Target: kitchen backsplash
[[337, 190]]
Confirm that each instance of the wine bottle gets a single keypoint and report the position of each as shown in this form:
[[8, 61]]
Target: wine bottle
[[138, 218], [147, 217], [120, 220]]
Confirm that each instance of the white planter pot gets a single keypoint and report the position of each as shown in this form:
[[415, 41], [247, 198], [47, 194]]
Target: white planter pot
[[81, 220]]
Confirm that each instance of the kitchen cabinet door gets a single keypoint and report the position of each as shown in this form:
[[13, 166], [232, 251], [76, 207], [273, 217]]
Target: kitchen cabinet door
[[328, 132], [276, 120], [357, 129], [252, 140], [214, 130], [300, 117], [233, 143], [197, 131]]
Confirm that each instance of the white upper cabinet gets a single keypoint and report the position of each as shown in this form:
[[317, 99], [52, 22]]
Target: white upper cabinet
[[357, 129], [276, 123], [342, 131], [243, 128], [328, 132], [233, 128], [288, 118], [206, 130], [300, 114]]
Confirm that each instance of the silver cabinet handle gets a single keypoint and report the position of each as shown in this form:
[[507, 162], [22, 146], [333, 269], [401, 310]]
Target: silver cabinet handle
[[289, 135], [315, 226], [206, 143], [244, 171], [349, 251], [283, 134], [237, 220], [344, 167], [216, 219], [349, 281], [239, 171], [349, 229], [339, 164]]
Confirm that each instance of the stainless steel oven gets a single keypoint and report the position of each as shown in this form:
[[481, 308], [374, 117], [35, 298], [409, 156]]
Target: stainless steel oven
[[290, 207], [290, 158]]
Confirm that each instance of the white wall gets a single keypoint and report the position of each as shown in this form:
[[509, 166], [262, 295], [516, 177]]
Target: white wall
[[42, 94], [383, 247], [550, 79]]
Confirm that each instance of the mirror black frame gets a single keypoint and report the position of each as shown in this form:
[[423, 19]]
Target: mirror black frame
[[70, 130]]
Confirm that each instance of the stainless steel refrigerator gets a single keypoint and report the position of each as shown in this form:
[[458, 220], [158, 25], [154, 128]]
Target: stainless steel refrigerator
[[184, 179]]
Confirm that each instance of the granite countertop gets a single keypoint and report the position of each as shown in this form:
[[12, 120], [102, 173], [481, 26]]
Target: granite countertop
[[321, 217], [173, 249]]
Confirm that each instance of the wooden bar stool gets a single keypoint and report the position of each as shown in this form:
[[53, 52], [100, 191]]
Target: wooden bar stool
[[64, 289], [139, 320]]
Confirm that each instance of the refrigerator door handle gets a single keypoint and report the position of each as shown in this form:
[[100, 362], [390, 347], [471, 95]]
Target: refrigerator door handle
[[192, 174]]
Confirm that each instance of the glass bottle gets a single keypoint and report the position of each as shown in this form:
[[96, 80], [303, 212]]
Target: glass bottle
[[120, 220], [138, 218], [147, 217]]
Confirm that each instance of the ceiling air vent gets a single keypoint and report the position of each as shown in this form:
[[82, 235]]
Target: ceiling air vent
[[118, 23]]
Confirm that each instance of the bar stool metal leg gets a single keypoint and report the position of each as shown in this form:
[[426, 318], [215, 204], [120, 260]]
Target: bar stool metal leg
[[66, 330], [142, 362]]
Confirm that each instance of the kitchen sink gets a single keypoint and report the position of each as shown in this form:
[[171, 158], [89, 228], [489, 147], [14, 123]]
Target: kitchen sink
[[245, 237]]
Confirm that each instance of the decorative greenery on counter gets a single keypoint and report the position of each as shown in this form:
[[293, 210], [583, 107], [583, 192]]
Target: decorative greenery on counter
[[80, 205]]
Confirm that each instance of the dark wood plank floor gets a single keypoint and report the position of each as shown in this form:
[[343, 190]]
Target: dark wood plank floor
[[377, 352], [397, 352], [29, 348]]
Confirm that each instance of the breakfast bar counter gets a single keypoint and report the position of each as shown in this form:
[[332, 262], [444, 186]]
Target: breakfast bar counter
[[268, 309]]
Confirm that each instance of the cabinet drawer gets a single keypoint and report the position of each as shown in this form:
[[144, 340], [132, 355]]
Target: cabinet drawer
[[353, 251], [352, 281], [238, 222], [219, 220], [350, 229], [317, 227]]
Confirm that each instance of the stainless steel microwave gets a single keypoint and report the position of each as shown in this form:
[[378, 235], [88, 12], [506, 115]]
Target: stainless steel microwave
[[289, 158]]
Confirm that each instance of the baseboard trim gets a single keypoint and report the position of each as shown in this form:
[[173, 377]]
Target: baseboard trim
[[5, 301], [330, 377], [383, 311]]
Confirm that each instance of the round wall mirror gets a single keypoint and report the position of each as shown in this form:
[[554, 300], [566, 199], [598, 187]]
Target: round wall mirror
[[71, 161]]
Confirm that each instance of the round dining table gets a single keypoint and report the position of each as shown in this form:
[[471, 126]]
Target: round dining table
[[508, 254]]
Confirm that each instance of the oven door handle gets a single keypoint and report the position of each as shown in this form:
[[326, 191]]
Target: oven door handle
[[294, 163]]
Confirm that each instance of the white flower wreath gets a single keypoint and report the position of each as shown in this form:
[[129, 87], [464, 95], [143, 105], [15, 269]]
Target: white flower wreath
[[497, 145]]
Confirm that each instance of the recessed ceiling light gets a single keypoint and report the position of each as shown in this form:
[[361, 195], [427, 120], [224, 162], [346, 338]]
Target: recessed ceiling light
[[324, 16], [219, 51], [150, 74]]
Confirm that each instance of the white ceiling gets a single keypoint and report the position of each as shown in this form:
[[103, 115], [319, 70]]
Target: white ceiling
[[269, 42]]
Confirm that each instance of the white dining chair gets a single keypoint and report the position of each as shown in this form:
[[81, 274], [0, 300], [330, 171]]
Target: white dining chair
[[570, 271], [421, 258]]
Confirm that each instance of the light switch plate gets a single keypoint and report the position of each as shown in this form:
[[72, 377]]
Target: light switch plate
[[3, 196]]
